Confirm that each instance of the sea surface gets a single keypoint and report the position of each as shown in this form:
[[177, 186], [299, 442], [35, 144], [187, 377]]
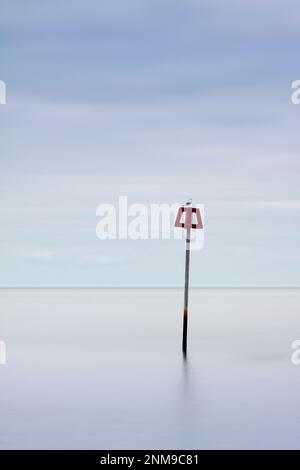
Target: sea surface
[[103, 369]]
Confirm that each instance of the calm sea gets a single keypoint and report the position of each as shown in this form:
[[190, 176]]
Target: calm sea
[[102, 369]]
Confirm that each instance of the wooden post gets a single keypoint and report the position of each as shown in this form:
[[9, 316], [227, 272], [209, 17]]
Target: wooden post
[[188, 211]]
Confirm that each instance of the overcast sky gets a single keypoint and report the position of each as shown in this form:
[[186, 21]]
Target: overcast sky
[[158, 100]]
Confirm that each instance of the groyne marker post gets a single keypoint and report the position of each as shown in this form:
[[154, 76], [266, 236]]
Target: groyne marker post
[[189, 218]]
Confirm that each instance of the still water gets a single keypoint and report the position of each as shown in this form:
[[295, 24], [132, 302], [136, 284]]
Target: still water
[[102, 369]]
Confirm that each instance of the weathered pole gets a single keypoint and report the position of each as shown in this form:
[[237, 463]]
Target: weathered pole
[[186, 291], [187, 211]]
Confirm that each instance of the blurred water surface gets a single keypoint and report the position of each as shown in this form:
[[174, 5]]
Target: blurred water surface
[[102, 369]]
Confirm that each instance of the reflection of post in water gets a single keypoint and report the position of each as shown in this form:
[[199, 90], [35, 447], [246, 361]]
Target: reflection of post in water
[[190, 403], [185, 368], [188, 393]]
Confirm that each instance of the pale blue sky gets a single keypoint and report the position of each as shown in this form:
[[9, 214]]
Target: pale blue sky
[[160, 100]]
